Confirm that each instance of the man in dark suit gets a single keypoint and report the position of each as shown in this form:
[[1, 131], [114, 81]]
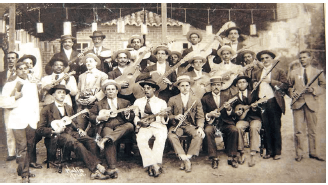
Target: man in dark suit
[[248, 57], [306, 107], [193, 124], [220, 121], [252, 120], [71, 56], [113, 128], [271, 87], [69, 137]]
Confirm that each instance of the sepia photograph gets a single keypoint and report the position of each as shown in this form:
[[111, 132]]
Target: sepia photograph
[[163, 92]]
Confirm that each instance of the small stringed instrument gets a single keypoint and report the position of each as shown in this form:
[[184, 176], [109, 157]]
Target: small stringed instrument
[[243, 109], [50, 99], [150, 118], [73, 59], [58, 124], [113, 113], [218, 110]]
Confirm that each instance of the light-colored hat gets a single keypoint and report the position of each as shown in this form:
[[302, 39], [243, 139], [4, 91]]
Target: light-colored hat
[[216, 79], [194, 32], [128, 54], [162, 47], [227, 48], [197, 57], [183, 78], [176, 53], [136, 37], [108, 82], [91, 55]]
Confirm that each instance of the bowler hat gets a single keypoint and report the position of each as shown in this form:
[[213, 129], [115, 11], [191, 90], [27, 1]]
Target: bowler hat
[[232, 28], [52, 90], [149, 82], [258, 55], [98, 34], [27, 56], [53, 60], [108, 82], [64, 37], [194, 32], [115, 54], [239, 78]]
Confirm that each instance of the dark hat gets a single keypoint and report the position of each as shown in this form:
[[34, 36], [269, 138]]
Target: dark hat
[[98, 34], [162, 47], [91, 55], [27, 56], [232, 28], [239, 78], [108, 82], [240, 56], [128, 54], [194, 32], [149, 82], [136, 37], [64, 37], [53, 60], [258, 55], [52, 90], [176, 53]]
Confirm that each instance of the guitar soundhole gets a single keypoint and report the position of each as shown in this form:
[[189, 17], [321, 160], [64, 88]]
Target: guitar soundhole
[[227, 77]]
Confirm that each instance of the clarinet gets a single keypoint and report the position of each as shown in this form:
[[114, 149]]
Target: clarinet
[[184, 118]]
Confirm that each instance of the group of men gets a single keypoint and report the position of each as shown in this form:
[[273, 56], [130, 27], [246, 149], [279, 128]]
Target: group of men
[[91, 100]]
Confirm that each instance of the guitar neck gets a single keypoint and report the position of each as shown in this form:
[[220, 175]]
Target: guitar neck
[[125, 109], [76, 115], [73, 59], [167, 73]]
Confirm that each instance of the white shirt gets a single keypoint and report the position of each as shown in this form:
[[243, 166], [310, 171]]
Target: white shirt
[[90, 79], [196, 47], [121, 69], [216, 98], [97, 50], [61, 108], [68, 53], [161, 68], [223, 68], [265, 89], [198, 73], [242, 93], [185, 99], [112, 102], [234, 46]]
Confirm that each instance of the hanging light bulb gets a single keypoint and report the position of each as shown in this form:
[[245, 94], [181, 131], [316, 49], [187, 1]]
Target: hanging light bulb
[[39, 25], [67, 26], [209, 28], [144, 29], [120, 24], [252, 26], [185, 26]]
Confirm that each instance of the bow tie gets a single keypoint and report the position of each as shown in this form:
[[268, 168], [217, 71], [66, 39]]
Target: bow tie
[[234, 42], [226, 62], [60, 105], [88, 72]]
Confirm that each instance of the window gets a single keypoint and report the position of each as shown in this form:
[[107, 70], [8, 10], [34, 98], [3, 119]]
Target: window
[[81, 46]]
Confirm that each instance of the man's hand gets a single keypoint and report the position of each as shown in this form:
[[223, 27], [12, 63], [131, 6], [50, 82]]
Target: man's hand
[[142, 124], [18, 94], [294, 94], [167, 81], [227, 106], [125, 84], [136, 111], [214, 114], [200, 132], [309, 90], [91, 99], [179, 117], [103, 117], [82, 133], [59, 130]]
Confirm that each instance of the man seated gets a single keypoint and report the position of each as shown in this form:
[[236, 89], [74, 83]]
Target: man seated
[[156, 126], [69, 137], [112, 127], [252, 120], [193, 123], [220, 121]]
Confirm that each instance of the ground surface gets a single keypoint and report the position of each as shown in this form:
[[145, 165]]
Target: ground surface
[[131, 170]]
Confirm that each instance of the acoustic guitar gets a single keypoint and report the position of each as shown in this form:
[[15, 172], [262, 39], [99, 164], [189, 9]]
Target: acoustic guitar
[[73, 59], [218, 110], [243, 109], [150, 118], [58, 124], [113, 113]]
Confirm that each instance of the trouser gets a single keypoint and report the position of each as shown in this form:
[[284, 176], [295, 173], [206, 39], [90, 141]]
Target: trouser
[[271, 119], [195, 143], [33, 157], [11, 143], [154, 155], [83, 120], [25, 140], [305, 117], [254, 132], [115, 134], [210, 138], [83, 147], [230, 139]]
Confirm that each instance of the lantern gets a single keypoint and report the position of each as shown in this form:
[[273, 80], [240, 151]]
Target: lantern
[[94, 27], [67, 28], [252, 30], [209, 28], [39, 25], [144, 29]]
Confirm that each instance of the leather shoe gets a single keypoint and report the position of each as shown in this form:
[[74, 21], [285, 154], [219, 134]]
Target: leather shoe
[[98, 175], [150, 171], [299, 158], [25, 179], [187, 165], [35, 165], [229, 162], [234, 164], [277, 157], [157, 172], [114, 175], [110, 172], [241, 159], [215, 163], [31, 175], [10, 158], [267, 157], [316, 157], [251, 163], [182, 166]]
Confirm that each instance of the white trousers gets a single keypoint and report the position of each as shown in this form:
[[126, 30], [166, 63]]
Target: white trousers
[[11, 142]]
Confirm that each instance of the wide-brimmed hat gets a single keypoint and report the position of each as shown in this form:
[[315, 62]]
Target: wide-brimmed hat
[[64, 37], [136, 37], [27, 56], [258, 55], [225, 47], [149, 82], [176, 53], [240, 56], [232, 28], [53, 60], [91, 55], [241, 77], [52, 90], [162, 47], [194, 32], [216, 79], [108, 82], [197, 57], [115, 54], [183, 78], [98, 34]]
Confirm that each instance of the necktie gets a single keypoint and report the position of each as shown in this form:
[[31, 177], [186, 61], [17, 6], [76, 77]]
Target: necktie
[[217, 100], [147, 107], [112, 106], [244, 98], [56, 77], [305, 77], [60, 105], [96, 51]]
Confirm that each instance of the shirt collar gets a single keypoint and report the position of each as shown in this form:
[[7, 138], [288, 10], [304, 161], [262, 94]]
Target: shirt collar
[[243, 92], [185, 96], [215, 95], [267, 68], [57, 104]]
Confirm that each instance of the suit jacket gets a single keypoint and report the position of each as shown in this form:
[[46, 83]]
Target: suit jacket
[[172, 77], [73, 67], [103, 66], [296, 82], [251, 98], [112, 122], [278, 78], [206, 67], [210, 105], [196, 113], [192, 74], [50, 113], [217, 59], [114, 74]]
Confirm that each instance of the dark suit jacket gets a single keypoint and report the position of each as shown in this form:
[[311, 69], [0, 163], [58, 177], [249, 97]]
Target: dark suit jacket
[[210, 105], [112, 122], [217, 59], [3, 79], [278, 78], [103, 66], [206, 67], [196, 113], [114, 74], [50, 113]]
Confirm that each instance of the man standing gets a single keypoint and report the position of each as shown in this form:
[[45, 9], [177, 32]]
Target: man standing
[[306, 107], [113, 128], [275, 106], [137, 44], [193, 123], [70, 137], [247, 57], [24, 117], [156, 126], [220, 121], [30, 60], [5, 76]]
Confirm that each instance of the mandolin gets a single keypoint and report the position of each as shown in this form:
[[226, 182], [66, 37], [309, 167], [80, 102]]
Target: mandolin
[[243, 109], [150, 118], [58, 124], [113, 113], [218, 110]]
